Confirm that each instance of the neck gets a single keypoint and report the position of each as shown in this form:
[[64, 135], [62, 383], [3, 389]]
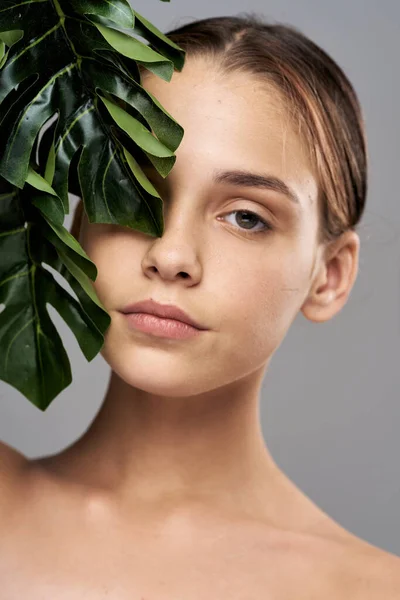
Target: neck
[[145, 447]]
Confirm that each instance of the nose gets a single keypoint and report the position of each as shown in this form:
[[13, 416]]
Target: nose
[[174, 255]]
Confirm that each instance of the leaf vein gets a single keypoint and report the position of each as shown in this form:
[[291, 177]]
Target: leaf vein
[[21, 4], [116, 7], [4, 281], [104, 179], [59, 74], [5, 196], [12, 231], [57, 147], [14, 338], [37, 41]]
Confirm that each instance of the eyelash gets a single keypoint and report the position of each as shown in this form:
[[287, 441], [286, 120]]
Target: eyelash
[[249, 233], [267, 226]]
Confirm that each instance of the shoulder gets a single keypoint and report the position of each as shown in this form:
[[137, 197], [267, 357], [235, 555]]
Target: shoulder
[[378, 574], [350, 565], [342, 565], [362, 571]]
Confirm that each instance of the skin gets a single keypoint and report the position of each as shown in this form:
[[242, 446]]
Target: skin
[[176, 458]]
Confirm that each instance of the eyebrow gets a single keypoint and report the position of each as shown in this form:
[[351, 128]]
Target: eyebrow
[[242, 178]]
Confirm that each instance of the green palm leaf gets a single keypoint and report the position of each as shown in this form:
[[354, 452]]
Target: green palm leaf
[[32, 356], [74, 117]]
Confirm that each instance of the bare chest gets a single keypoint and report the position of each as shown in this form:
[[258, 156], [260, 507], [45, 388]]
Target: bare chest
[[66, 560]]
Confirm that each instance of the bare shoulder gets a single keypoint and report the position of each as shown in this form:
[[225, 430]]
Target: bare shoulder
[[349, 565], [377, 573], [362, 571]]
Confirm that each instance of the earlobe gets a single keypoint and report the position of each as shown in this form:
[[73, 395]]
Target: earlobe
[[334, 280]]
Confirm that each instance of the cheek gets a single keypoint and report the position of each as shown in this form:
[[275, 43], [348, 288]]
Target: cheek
[[117, 268], [262, 301]]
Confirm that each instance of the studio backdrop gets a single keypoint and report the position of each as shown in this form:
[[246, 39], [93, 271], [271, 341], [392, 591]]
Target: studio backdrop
[[330, 400]]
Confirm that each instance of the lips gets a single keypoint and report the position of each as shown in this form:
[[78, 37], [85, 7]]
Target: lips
[[165, 311]]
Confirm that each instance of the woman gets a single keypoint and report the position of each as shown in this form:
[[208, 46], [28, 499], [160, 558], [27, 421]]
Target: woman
[[171, 492]]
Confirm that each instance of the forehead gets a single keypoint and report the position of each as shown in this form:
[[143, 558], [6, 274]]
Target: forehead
[[232, 121]]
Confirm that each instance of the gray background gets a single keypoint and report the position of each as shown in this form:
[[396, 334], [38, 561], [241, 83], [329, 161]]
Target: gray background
[[330, 402]]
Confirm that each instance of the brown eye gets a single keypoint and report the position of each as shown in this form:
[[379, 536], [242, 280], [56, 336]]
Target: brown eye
[[247, 219]]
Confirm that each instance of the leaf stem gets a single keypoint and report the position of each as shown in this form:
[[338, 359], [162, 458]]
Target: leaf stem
[[61, 14]]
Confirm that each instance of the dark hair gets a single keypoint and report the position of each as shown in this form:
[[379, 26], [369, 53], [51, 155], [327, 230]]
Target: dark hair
[[318, 96]]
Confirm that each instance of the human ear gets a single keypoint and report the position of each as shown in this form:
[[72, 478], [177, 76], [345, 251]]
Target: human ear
[[334, 279]]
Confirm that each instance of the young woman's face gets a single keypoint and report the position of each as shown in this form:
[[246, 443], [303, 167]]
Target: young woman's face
[[245, 281]]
